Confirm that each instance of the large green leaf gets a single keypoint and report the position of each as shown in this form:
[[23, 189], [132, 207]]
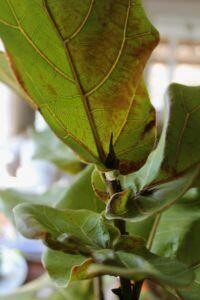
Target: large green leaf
[[49, 147], [73, 236], [85, 245], [81, 62]]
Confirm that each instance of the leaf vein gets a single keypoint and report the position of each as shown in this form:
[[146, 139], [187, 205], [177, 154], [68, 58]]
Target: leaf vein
[[78, 30], [36, 47], [94, 89]]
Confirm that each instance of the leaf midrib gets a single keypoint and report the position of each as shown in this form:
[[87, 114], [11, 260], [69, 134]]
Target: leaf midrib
[[79, 87]]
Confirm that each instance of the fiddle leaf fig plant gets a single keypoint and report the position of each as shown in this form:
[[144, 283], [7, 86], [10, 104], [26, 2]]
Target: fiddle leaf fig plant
[[80, 64]]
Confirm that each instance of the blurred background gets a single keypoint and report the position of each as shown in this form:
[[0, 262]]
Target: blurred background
[[29, 166]]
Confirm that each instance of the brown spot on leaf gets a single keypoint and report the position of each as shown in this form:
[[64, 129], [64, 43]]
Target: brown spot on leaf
[[20, 80], [126, 167], [148, 127], [51, 90]]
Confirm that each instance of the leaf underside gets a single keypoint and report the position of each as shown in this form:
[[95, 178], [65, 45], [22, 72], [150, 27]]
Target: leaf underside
[[81, 63]]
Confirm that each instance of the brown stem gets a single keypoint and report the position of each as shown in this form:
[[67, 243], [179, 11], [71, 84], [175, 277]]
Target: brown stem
[[128, 290]]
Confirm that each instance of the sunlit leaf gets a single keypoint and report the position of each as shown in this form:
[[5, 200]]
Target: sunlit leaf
[[81, 63]]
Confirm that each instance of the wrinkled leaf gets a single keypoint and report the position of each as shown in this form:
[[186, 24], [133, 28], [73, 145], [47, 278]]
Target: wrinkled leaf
[[137, 263], [151, 201], [57, 51], [76, 231], [49, 147], [71, 200]]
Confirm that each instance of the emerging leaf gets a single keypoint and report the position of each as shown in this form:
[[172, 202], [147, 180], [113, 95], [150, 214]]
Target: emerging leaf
[[81, 63], [151, 201]]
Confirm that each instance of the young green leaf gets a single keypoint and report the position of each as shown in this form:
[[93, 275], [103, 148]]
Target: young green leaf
[[151, 201], [81, 63]]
